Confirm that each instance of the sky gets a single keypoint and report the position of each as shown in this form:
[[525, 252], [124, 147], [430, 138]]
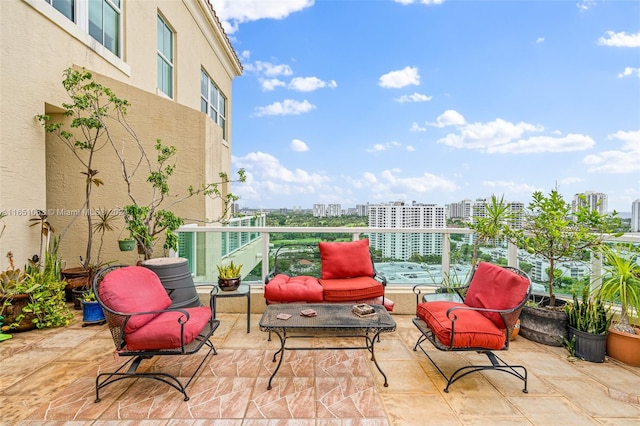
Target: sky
[[434, 101]]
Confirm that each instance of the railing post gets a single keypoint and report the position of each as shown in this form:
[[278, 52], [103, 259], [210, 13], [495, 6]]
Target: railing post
[[265, 255], [446, 258], [512, 255]]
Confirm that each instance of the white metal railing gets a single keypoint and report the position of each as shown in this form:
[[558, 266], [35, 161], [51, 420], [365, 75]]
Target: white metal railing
[[261, 245]]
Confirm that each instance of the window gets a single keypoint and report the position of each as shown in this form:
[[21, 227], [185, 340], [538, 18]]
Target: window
[[165, 58], [66, 7], [213, 102], [104, 23], [100, 18]]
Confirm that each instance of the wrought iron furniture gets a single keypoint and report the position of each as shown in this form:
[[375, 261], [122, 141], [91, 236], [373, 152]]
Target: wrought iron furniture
[[332, 320], [481, 319], [243, 290], [333, 272], [143, 324]]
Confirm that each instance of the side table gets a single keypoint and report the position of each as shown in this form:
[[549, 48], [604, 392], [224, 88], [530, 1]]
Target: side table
[[244, 290]]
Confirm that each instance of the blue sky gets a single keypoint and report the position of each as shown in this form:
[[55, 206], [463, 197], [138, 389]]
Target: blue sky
[[434, 100]]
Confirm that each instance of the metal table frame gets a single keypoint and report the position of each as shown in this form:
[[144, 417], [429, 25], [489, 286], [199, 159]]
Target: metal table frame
[[244, 290], [332, 318]]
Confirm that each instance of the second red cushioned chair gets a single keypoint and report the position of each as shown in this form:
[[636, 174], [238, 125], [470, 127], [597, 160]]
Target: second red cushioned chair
[[481, 322]]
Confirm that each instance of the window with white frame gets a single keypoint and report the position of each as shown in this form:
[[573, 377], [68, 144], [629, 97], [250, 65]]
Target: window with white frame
[[101, 19], [213, 102], [66, 7], [165, 58]]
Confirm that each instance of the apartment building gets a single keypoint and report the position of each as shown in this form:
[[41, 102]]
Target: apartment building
[[594, 200], [400, 215], [170, 59]]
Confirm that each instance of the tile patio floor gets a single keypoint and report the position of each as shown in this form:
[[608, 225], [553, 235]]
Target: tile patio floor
[[47, 378]]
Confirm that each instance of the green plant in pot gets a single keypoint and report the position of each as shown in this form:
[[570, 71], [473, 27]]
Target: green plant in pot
[[229, 276], [620, 286], [552, 231], [92, 312], [34, 298], [588, 322]]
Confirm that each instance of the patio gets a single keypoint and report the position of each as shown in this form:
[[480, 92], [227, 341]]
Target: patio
[[48, 378]]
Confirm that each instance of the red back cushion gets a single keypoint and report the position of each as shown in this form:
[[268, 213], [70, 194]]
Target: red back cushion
[[495, 287], [134, 289], [345, 260]]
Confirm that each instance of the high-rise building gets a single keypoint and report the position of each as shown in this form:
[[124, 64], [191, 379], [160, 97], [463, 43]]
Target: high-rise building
[[319, 210], [334, 210], [401, 215], [460, 210], [362, 209], [635, 216], [594, 200]]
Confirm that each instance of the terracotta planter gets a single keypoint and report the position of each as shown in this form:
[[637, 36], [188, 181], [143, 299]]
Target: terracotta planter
[[12, 311], [76, 278], [624, 347]]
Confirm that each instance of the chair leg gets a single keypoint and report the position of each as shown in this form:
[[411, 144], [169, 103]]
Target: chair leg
[[131, 372], [497, 364]]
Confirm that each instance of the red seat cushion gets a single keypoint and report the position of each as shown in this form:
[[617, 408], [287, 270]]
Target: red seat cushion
[[283, 289], [495, 287], [134, 289], [345, 260], [163, 331], [472, 329], [351, 289]]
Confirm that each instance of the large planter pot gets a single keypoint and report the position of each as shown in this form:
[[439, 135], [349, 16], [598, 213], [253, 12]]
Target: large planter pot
[[589, 346], [624, 347], [12, 311], [229, 284], [547, 326], [76, 278], [176, 278]]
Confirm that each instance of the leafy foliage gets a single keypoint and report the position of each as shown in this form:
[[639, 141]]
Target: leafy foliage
[[230, 270], [553, 232], [588, 314]]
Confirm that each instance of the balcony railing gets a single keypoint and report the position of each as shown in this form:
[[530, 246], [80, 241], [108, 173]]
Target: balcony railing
[[208, 246]]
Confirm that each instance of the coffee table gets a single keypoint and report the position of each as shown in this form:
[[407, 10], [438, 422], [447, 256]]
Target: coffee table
[[333, 320]]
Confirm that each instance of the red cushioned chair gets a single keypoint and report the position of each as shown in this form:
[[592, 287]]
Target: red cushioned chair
[[482, 321], [143, 324]]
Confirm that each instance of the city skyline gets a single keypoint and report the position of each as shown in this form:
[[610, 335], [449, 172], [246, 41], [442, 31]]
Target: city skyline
[[434, 100]]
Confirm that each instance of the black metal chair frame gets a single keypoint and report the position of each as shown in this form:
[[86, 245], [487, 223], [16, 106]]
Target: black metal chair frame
[[509, 318], [117, 322]]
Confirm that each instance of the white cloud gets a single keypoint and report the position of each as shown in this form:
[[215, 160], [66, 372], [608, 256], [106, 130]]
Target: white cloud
[[410, 148], [416, 97], [267, 177], [503, 137], [540, 144], [419, 185], [427, 2], [383, 147], [400, 78], [586, 4], [299, 146], [449, 118], [539, 40], [622, 39], [570, 180], [624, 160], [270, 84], [268, 69], [415, 127], [309, 84], [512, 187], [629, 71], [286, 107], [232, 13]]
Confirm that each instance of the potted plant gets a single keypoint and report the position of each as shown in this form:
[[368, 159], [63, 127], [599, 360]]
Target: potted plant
[[621, 285], [495, 222], [34, 298], [553, 232], [92, 312], [229, 276], [589, 322], [127, 244]]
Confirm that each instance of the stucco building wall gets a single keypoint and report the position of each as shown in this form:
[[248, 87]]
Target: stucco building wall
[[36, 172]]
